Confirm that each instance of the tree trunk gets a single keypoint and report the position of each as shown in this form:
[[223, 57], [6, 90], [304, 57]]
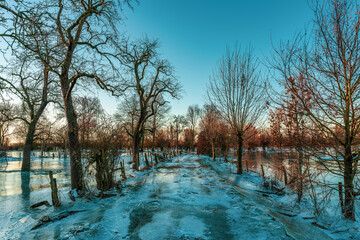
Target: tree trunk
[[82, 134], [74, 146], [153, 142], [65, 149], [299, 173], [142, 142], [28, 147], [239, 155], [177, 142], [136, 157], [193, 140], [42, 148], [226, 156], [349, 206], [213, 151]]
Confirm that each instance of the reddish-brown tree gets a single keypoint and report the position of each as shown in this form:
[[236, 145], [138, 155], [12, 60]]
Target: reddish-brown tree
[[276, 128], [326, 65]]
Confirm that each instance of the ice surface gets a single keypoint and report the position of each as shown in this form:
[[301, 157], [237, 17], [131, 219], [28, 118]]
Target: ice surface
[[188, 198]]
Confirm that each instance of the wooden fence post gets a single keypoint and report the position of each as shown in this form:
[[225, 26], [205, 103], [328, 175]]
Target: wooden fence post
[[285, 175], [262, 171], [54, 190]]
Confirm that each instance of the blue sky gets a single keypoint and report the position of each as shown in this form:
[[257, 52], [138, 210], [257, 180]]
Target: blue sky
[[194, 35]]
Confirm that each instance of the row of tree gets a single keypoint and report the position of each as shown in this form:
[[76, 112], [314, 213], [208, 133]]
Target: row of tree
[[57, 48]]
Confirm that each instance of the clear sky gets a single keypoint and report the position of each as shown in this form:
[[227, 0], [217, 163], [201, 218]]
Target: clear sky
[[194, 35]]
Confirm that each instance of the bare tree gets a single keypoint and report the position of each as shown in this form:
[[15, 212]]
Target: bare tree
[[179, 125], [127, 113], [61, 137], [79, 33], [105, 152], [326, 66], [88, 110], [4, 133], [193, 116], [238, 92], [150, 78], [157, 121], [32, 88], [210, 125]]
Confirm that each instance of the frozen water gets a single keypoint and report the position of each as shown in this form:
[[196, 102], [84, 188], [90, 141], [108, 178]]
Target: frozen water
[[188, 198]]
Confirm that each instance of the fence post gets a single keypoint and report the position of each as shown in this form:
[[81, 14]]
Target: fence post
[[285, 175], [54, 191]]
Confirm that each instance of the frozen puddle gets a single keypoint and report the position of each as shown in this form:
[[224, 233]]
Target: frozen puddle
[[163, 226]]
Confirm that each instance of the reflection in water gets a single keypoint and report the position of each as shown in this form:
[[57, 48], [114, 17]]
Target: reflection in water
[[14, 182], [18, 191], [272, 162], [25, 188]]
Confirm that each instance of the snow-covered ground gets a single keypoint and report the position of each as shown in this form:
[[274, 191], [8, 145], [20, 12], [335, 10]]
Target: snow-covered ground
[[299, 219], [188, 198]]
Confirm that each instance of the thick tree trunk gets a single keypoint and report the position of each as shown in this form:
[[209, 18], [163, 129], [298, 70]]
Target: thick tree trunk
[[28, 147], [239, 155], [74, 146], [142, 143], [26, 156], [65, 149], [82, 134], [136, 157]]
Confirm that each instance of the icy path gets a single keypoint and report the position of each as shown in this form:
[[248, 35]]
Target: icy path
[[189, 201], [180, 200], [185, 200]]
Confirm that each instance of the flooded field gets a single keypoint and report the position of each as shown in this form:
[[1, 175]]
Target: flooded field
[[19, 190], [275, 163], [13, 182]]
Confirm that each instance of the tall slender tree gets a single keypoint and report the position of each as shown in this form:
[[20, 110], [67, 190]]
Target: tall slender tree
[[157, 121], [237, 90], [179, 125], [193, 116], [210, 125]]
